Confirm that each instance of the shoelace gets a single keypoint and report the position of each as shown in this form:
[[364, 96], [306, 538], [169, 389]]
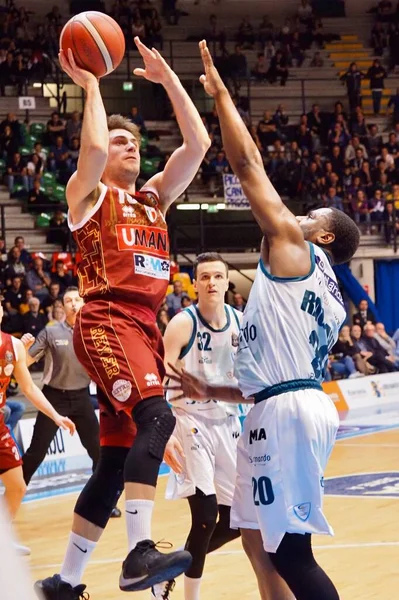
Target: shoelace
[[170, 586], [145, 544]]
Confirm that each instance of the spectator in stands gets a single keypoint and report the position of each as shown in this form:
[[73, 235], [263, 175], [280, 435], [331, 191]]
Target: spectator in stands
[[174, 299], [58, 230], [61, 276], [362, 208], [378, 38], [17, 409], [353, 78], [35, 169], [12, 121], [317, 60], [346, 347], [304, 138], [260, 69], [73, 126], [266, 31], [393, 107], [364, 315], [374, 140], [136, 118], [278, 69], [359, 127], [238, 302], [376, 74], [54, 294], [162, 320], [55, 128], [238, 67], [386, 341], [74, 151], [332, 200], [58, 158], [354, 144], [391, 222], [216, 33], [24, 306], [17, 172], [392, 145], [305, 11], [245, 34], [8, 143], [14, 296], [186, 302], [14, 265], [381, 359], [54, 16], [377, 213], [34, 320], [38, 150], [295, 50], [6, 73], [38, 280], [137, 29], [26, 257], [280, 117], [218, 166]]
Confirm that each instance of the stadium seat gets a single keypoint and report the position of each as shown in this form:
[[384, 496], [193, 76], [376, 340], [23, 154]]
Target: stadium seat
[[2, 166], [149, 166], [184, 278], [58, 194], [66, 258], [49, 179], [25, 151], [169, 290], [191, 292], [144, 143], [37, 129], [43, 220]]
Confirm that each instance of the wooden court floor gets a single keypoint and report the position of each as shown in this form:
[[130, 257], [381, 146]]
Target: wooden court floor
[[362, 558]]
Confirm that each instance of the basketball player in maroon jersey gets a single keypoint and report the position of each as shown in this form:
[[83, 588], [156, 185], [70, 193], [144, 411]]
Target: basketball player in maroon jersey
[[13, 362], [123, 276]]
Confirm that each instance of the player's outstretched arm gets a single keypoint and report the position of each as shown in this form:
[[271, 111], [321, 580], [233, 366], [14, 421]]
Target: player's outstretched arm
[[185, 161], [278, 224], [32, 392], [198, 389], [82, 189]]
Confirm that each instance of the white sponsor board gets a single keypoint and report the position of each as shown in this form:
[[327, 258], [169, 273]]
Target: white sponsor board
[[63, 444], [374, 390], [233, 195]]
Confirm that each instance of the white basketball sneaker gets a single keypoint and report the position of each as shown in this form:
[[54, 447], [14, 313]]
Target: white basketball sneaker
[[22, 550], [161, 591]]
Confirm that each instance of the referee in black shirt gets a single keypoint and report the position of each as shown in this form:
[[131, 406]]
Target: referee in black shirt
[[66, 386]]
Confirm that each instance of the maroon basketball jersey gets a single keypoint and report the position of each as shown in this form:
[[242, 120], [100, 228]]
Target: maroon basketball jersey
[[125, 249], [7, 364]]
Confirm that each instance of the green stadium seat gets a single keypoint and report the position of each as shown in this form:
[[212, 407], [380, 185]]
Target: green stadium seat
[[149, 166], [58, 194], [49, 179], [144, 143], [2, 166], [17, 188], [25, 151], [43, 220], [37, 129]]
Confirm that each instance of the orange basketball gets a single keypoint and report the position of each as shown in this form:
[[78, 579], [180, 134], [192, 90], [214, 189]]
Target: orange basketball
[[96, 40]]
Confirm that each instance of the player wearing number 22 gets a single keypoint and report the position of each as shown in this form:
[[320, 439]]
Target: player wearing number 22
[[292, 319], [123, 277]]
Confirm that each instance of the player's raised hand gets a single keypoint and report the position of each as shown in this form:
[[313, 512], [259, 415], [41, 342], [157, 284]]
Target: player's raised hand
[[28, 340], [156, 68], [65, 424], [172, 452], [189, 385], [78, 75], [211, 81]]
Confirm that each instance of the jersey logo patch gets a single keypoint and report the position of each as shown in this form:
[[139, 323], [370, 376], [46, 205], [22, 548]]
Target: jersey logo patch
[[152, 240], [121, 390], [302, 511], [151, 266], [151, 379]]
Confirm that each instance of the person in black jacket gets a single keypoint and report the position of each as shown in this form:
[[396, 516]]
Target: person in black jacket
[[347, 352], [364, 315], [380, 357], [278, 68], [353, 78], [376, 74]]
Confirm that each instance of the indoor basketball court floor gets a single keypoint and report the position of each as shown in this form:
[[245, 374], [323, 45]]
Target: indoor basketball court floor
[[362, 502]]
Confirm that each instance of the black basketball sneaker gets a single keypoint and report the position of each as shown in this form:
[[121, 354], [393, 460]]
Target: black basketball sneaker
[[53, 588]]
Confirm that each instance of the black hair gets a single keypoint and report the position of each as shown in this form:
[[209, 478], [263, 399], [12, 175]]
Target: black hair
[[207, 257], [347, 236], [71, 288]]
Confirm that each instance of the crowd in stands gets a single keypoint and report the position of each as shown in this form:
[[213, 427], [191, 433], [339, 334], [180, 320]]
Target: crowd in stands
[[31, 289], [138, 18], [365, 348]]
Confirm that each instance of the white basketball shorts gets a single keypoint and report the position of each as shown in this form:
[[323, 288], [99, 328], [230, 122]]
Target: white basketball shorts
[[282, 455], [210, 448]]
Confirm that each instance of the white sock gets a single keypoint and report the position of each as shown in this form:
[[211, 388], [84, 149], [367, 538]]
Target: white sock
[[77, 556], [138, 521], [191, 588]]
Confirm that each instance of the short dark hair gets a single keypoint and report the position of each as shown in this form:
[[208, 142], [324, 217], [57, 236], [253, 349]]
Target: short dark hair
[[207, 257], [347, 236], [71, 288]]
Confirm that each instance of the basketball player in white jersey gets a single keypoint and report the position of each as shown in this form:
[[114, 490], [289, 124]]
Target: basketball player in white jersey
[[203, 340], [291, 321]]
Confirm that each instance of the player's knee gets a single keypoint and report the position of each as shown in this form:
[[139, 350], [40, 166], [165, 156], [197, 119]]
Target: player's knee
[[204, 512], [293, 555], [19, 489], [155, 424]]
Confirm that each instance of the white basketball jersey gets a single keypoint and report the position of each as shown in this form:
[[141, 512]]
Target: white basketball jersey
[[289, 326], [210, 355]]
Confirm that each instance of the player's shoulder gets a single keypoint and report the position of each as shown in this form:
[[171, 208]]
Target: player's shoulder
[[185, 318]]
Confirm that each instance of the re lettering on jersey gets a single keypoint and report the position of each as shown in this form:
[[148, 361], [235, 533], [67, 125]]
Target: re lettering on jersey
[[149, 240], [151, 266]]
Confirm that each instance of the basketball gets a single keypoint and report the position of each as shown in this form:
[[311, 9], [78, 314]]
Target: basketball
[[96, 40]]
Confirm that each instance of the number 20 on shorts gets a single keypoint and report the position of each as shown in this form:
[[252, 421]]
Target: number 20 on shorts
[[262, 490]]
